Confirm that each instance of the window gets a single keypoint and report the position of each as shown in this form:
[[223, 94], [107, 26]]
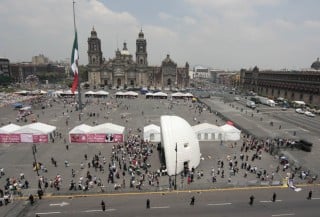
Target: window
[[213, 136], [151, 136], [199, 136], [206, 136], [169, 82], [131, 82]]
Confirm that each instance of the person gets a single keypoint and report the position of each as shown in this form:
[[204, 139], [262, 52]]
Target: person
[[31, 199], [148, 204], [103, 206], [251, 199], [274, 197], [192, 200], [40, 193], [309, 195]]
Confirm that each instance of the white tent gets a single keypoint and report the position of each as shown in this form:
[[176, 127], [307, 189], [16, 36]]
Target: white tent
[[151, 133], [177, 94], [89, 93], [108, 128], [9, 128], [102, 93], [230, 133], [130, 93], [44, 128], [180, 144], [83, 128], [208, 132]]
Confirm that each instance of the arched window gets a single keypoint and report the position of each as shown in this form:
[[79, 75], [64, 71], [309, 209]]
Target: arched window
[[141, 61]]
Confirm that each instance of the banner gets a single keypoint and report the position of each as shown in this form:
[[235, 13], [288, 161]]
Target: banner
[[10, 138], [96, 138], [79, 138], [40, 138]]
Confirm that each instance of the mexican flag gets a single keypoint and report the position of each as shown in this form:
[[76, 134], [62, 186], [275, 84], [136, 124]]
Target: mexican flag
[[74, 63]]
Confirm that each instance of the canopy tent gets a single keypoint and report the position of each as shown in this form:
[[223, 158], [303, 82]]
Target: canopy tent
[[22, 92], [83, 128], [230, 133], [102, 133], [181, 95], [157, 95], [89, 93], [26, 108], [9, 128], [208, 132], [45, 128], [152, 133], [108, 128], [100, 93], [35, 133], [180, 144]]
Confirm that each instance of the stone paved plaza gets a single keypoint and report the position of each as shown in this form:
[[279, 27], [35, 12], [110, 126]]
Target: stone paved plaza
[[134, 114]]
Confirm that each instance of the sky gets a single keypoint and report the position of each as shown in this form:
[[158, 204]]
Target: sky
[[221, 34]]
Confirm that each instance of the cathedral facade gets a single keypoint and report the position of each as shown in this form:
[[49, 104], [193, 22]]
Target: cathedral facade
[[124, 71]]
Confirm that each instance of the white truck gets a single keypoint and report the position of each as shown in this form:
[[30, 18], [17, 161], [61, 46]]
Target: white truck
[[266, 101], [251, 104]]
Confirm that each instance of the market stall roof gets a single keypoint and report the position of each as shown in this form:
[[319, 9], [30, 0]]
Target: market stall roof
[[108, 128], [152, 127], [206, 126], [89, 92], [229, 128], [102, 92], [188, 94], [131, 93], [9, 128], [83, 128], [119, 93], [160, 94], [37, 127], [177, 94]]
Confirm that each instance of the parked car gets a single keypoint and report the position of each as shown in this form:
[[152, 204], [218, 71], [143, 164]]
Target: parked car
[[300, 111], [309, 114]]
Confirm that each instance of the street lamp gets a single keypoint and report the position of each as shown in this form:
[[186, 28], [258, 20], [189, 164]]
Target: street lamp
[[34, 151], [175, 176]]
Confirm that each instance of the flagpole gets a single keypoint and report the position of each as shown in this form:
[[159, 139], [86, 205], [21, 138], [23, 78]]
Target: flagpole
[[75, 31]]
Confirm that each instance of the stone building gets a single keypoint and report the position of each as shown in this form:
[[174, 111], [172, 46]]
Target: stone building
[[124, 71], [302, 85]]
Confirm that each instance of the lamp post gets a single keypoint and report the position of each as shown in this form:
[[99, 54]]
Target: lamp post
[[34, 151], [175, 175]]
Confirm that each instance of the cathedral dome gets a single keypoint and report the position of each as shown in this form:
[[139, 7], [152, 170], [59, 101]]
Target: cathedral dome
[[125, 49], [316, 64]]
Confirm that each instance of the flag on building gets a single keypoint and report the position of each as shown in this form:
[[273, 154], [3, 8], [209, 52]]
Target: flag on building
[[74, 63]]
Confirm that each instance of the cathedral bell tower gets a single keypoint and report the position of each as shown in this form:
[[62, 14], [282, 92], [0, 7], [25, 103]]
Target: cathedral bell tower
[[94, 49], [141, 50]]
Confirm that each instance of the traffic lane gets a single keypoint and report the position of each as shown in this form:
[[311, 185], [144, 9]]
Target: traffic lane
[[222, 200]]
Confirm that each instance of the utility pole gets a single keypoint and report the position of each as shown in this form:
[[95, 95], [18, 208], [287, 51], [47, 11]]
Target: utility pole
[[175, 176], [34, 151]]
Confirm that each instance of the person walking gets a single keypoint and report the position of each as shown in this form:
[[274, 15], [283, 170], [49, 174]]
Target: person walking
[[309, 195], [274, 197], [192, 201], [148, 204], [103, 206], [251, 199]]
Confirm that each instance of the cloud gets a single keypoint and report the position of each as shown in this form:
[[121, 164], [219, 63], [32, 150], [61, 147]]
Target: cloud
[[312, 23]]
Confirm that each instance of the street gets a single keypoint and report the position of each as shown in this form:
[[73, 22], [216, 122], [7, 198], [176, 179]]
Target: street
[[223, 202]]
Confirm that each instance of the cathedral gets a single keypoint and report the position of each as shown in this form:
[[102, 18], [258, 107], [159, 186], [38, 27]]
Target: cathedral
[[122, 71]]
